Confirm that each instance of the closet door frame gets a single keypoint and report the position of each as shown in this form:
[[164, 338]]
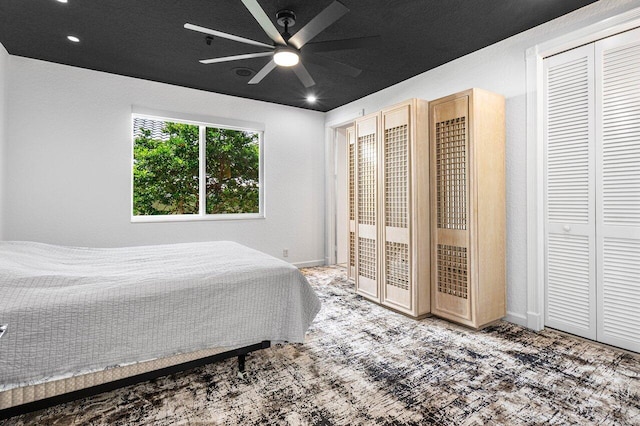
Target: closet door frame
[[609, 25]]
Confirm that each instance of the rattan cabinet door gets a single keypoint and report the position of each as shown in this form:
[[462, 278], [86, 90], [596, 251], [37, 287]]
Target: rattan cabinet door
[[450, 201], [395, 189], [366, 213], [351, 203], [468, 222]]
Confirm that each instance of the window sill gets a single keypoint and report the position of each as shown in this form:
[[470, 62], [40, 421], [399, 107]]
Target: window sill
[[196, 218]]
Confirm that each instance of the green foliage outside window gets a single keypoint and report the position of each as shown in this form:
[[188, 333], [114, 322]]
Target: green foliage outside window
[[233, 171], [166, 170]]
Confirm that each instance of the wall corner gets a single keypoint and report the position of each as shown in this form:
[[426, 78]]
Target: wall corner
[[4, 64]]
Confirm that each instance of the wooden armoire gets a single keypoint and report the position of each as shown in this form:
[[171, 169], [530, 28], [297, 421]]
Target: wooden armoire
[[427, 207], [388, 160], [467, 153]]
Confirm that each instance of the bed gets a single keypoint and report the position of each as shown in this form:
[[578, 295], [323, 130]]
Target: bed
[[76, 318]]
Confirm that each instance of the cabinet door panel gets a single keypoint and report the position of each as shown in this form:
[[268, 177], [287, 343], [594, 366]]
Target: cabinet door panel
[[449, 140], [351, 194], [366, 240], [395, 187]]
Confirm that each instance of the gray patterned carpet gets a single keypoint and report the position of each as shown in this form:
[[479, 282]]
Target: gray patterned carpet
[[364, 365]]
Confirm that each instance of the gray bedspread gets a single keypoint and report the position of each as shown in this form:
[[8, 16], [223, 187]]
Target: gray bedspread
[[75, 310]]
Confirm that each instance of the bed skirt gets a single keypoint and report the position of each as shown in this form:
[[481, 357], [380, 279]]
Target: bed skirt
[[26, 394]]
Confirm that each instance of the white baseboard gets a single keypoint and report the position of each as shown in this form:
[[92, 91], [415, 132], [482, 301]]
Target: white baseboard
[[308, 264], [515, 318], [534, 321]]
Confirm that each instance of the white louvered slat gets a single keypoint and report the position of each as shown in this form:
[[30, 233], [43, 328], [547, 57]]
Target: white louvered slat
[[617, 66], [569, 282], [569, 186], [621, 291], [568, 133]]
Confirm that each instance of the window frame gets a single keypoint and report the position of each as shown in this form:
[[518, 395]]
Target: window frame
[[203, 122]]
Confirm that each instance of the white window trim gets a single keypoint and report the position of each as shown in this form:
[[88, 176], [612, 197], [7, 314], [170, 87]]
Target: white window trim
[[535, 144], [199, 120]]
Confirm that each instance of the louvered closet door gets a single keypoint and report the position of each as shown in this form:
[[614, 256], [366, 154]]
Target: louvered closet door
[[366, 207], [396, 270], [569, 182], [450, 186], [618, 184], [351, 177]]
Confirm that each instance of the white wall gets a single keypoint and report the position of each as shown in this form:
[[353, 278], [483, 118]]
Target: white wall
[[342, 204], [4, 57], [499, 68], [69, 174]]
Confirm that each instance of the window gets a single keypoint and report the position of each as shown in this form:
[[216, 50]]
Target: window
[[189, 171]]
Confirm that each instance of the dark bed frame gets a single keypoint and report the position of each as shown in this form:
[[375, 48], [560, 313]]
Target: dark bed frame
[[41, 404]]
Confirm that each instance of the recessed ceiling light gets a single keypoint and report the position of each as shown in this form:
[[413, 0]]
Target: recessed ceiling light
[[311, 99], [243, 72], [62, 1], [73, 39]]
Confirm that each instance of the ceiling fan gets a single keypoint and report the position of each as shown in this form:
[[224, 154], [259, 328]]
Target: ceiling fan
[[287, 49]]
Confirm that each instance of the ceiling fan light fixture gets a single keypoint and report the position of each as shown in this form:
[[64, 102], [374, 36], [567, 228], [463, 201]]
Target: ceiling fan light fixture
[[286, 57]]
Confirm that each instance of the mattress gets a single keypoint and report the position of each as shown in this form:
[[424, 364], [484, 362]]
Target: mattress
[[70, 311]]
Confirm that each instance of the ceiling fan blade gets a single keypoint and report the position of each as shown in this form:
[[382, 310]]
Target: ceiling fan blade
[[235, 58], [322, 20], [333, 65], [351, 43], [225, 35], [263, 72], [303, 75], [264, 21]]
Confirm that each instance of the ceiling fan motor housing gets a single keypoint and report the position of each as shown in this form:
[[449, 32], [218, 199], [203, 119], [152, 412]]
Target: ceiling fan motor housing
[[286, 18]]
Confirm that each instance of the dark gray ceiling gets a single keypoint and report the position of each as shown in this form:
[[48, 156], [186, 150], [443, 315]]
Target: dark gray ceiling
[[146, 39]]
